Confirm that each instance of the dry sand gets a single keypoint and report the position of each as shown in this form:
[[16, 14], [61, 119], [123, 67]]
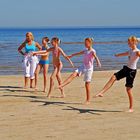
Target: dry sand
[[26, 115]]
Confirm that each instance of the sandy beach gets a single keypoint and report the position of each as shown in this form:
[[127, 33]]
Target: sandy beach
[[29, 115]]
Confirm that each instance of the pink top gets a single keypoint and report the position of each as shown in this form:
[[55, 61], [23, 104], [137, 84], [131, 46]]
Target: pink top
[[88, 59]]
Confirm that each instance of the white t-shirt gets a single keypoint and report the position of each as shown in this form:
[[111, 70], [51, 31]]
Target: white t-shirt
[[133, 59]]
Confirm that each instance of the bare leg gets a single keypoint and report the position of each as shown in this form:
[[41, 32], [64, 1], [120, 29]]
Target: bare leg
[[59, 79], [68, 80], [107, 86], [52, 82], [129, 92], [31, 83], [45, 71], [58, 76], [87, 86], [36, 74], [26, 79]]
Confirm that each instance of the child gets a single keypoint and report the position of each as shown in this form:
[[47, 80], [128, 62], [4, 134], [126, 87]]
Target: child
[[89, 54], [128, 72], [43, 63], [57, 64]]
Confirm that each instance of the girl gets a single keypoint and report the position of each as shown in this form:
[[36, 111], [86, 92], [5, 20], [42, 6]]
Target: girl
[[43, 63], [57, 64], [89, 54], [29, 62], [128, 72]]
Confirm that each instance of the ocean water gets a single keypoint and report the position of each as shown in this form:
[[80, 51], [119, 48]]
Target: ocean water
[[108, 41]]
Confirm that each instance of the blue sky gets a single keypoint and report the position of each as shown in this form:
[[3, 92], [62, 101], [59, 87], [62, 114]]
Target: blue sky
[[46, 13]]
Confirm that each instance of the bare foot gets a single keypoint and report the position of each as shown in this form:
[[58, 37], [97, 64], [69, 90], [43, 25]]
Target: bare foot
[[63, 96], [36, 89], [99, 95], [131, 110], [48, 96], [25, 87], [87, 103]]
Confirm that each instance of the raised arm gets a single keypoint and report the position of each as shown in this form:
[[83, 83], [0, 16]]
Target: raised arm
[[122, 54], [20, 48], [66, 57]]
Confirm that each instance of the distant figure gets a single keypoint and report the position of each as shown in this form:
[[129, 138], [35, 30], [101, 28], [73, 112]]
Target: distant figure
[[57, 64], [29, 62], [43, 64], [128, 72], [89, 54]]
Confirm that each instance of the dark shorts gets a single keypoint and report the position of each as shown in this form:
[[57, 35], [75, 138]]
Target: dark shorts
[[127, 73]]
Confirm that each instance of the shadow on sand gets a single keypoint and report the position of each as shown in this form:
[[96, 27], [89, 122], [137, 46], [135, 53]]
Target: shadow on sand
[[46, 103], [22, 96], [91, 111], [57, 103], [13, 87]]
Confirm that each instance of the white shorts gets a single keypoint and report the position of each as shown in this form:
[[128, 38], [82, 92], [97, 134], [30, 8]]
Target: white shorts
[[87, 73]]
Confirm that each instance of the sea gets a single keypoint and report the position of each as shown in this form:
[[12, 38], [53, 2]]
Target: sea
[[108, 41]]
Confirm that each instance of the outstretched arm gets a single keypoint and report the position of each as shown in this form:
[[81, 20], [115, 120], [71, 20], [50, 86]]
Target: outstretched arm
[[43, 53], [75, 54], [122, 54], [66, 57]]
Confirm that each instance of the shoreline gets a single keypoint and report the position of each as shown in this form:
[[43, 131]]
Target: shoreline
[[68, 72]]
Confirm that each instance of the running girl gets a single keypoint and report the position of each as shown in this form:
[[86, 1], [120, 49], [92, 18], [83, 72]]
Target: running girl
[[128, 72], [89, 54], [43, 63], [57, 64]]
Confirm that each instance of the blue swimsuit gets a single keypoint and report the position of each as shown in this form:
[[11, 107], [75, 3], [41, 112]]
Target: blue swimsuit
[[44, 62], [30, 48]]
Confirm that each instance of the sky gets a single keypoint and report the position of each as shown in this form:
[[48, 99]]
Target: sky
[[69, 13]]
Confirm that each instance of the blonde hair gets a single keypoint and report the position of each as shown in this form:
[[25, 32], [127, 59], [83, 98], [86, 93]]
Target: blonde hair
[[91, 40], [133, 38], [31, 34]]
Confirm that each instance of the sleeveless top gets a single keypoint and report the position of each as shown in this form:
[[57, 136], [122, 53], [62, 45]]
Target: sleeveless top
[[133, 59], [30, 48]]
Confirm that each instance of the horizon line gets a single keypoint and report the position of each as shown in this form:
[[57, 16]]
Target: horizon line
[[65, 27]]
